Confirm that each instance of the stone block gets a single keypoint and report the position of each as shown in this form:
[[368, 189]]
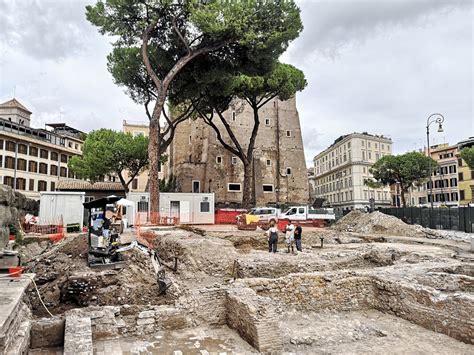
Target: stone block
[[47, 333]]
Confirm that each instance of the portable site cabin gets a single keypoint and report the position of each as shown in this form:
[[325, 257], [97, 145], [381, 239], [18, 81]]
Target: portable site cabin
[[55, 204], [190, 208]]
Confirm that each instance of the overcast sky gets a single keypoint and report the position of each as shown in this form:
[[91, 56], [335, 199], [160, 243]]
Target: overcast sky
[[375, 66]]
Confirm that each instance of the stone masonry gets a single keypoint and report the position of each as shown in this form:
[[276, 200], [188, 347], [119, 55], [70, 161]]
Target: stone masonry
[[199, 161]]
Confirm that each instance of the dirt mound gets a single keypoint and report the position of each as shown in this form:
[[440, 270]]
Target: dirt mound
[[65, 281], [377, 223]]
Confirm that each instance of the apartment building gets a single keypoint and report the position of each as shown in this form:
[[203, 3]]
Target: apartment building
[[444, 188], [341, 169], [33, 160], [201, 164], [465, 175]]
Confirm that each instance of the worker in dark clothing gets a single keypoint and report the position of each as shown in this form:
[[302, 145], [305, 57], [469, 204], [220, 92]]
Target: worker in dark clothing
[[298, 233], [272, 237]]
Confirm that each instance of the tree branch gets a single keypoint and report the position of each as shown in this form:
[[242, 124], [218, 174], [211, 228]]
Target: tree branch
[[209, 122], [260, 104], [146, 59], [230, 133], [180, 35]]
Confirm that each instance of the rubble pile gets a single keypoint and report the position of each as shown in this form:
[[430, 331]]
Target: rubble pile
[[377, 223], [65, 281]]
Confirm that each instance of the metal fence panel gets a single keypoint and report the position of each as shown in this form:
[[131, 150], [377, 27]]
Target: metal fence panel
[[453, 218]]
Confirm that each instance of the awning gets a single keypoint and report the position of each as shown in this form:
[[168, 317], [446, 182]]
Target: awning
[[125, 202]]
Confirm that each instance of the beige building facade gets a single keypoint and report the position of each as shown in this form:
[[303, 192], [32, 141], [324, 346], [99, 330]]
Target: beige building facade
[[341, 169], [33, 160], [201, 164]]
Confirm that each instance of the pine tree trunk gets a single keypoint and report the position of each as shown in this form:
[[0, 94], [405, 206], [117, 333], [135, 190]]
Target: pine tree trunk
[[154, 157], [247, 189], [402, 193]]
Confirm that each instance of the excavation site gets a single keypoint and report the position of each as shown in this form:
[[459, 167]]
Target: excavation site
[[379, 286]]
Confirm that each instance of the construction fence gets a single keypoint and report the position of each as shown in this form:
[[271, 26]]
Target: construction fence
[[450, 218]]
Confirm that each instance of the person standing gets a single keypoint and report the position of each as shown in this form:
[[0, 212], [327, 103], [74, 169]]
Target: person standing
[[290, 236], [272, 237], [298, 233]]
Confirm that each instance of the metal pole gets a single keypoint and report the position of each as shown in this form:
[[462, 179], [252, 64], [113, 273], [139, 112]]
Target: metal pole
[[429, 163]]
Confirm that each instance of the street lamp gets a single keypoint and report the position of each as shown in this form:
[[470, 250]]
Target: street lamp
[[439, 119]]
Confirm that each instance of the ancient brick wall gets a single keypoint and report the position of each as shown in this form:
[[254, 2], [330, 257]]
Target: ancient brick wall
[[195, 151], [254, 318]]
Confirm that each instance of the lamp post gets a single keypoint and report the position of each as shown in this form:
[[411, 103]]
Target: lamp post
[[439, 119]]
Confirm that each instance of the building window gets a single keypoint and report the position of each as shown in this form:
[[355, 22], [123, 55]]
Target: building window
[[461, 194], [267, 188], [63, 158], [1, 143], [233, 116], [53, 186], [22, 149], [269, 162], [8, 180], [10, 146], [368, 144], [20, 184], [234, 187], [460, 162], [63, 172], [288, 133], [219, 159], [54, 156], [44, 154], [267, 122], [43, 169], [461, 176], [363, 155], [134, 184], [32, 166], [53, 170], [1, 160], [33, 151], [196, 186], [205, 206], [9, 163], [288, 171], [42, 185], [234, 160], [32, 185], [21, 164]]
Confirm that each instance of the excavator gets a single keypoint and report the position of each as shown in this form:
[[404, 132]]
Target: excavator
[[105, 249]]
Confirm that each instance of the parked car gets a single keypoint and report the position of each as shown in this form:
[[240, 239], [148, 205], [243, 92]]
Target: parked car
[[305, 213], [266, 214]]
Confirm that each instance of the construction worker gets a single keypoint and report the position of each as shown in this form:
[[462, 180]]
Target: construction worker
[[298, 233], [290, 236], [272, 237]]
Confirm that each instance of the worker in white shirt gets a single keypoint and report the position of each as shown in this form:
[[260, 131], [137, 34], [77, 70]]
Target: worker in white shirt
[[290, 236]]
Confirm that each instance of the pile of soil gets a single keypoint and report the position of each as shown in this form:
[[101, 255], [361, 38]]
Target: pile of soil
[[65, 281], [377, 223]]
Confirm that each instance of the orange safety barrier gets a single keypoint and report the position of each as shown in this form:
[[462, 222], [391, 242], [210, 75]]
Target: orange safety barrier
[[228, 215], [53, 229]]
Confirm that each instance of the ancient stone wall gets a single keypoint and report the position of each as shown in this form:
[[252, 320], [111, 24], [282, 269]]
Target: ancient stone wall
[[12, 206], [197, 155], [317, 291], [108, 321], [254, 318], [444, 312]]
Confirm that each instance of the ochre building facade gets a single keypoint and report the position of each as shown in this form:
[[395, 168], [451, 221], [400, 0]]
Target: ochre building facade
[[201, 164]]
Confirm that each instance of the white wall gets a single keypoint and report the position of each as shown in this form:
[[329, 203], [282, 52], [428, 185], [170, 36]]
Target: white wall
[[69, 205]]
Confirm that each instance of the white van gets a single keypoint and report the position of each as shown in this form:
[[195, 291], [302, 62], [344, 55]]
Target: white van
[[266, 214]]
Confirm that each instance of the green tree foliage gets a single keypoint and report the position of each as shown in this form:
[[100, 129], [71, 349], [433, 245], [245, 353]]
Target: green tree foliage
[[408, 169], [154, 40], [106, 152], [467, 154], [219, 87]]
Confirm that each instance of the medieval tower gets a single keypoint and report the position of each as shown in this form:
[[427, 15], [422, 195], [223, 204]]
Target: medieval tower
[[201, 164]]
